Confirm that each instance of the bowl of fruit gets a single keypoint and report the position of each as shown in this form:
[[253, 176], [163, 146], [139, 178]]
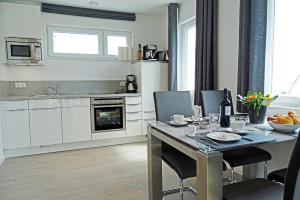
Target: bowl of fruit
[[285, 123]]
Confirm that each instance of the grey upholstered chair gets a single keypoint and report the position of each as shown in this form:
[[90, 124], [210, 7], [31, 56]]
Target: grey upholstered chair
[[167, 104], [210, 103], [262, 189], [278, 175]]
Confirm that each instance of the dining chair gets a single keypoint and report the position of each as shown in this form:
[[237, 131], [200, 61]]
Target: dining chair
[[210, 103], [167, 104], [263, 189], [278, 175]]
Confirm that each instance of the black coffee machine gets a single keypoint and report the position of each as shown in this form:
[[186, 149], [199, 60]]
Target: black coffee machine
[[131, 86], [149, 52]]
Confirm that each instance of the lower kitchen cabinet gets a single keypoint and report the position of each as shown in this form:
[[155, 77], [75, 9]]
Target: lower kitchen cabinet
[[76, 124], [133, 127], [16, 132], [45, 126]]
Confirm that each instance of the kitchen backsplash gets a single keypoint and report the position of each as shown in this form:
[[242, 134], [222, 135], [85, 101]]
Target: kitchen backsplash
[[7, 88]]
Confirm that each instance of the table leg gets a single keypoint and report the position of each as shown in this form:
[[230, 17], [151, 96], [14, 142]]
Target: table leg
[[209, 176], [154, 166]]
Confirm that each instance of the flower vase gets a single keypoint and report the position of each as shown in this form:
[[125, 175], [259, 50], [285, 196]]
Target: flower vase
[[257, 116]]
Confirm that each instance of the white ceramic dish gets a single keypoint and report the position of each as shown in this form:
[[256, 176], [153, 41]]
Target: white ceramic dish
[[287, 128], [177, 124], [224, 136]]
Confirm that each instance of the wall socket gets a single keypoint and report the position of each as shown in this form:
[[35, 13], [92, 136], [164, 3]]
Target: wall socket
[[20, 85], [123, 83]]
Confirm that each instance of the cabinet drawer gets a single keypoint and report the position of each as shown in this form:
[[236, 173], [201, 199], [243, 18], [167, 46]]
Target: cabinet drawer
[[149, 115], [133, 127], [133, 108], [133, 116], [15, 105], [79, 102], [44, 103], [133, 100]]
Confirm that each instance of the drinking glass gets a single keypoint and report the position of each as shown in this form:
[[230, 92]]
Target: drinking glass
[[197, 113], [214, 119]]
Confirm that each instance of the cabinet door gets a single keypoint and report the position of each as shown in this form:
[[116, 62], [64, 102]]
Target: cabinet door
[[154, 78], [76, 124], [45, 126], [133, 127], [16, 132]]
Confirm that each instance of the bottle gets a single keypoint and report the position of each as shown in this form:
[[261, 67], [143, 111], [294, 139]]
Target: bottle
[[225, 110], [139, 53]]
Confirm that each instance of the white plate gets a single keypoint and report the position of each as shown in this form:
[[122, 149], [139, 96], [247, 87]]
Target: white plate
[[176, 124], [224, 136], [284, 127]]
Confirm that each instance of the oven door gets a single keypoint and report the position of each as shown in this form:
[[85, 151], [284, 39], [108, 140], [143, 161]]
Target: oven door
[[20, 50], [108, 117]]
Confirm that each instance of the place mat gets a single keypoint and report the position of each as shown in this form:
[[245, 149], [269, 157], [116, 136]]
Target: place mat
[[250, 139]]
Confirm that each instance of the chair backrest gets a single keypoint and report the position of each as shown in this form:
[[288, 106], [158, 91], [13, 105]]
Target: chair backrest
[[172, 102], [292, 180], [211, 99]]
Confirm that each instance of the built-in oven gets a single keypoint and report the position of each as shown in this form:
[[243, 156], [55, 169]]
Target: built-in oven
[[107, 114], [23, 51]]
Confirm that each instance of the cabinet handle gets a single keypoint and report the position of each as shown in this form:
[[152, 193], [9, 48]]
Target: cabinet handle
[[133, 104], [149, 111], [133, 112], [133, 120]]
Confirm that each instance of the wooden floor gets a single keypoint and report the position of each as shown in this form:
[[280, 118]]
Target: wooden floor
[[105, 173]]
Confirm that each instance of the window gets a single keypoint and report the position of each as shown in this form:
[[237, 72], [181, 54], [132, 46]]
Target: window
[[284, 76], [114, 40], [74, 42], [86, 43], [186, 76]]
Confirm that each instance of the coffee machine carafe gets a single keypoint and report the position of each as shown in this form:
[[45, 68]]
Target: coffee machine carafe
[[131, 86]]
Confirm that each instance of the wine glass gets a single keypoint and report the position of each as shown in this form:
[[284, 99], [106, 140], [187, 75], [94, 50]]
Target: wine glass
[[214, 119]]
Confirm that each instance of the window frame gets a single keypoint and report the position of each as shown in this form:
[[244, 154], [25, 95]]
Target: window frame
[[183, 38], [71, 30], [102, 42], [287, 101], [106, 33]]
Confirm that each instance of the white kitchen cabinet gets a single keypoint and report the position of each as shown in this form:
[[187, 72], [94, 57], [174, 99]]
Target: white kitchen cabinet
[[45, 126], [16, 133], [22, 20], [76, 124], [133, 116], [151, 77], [133, 127]]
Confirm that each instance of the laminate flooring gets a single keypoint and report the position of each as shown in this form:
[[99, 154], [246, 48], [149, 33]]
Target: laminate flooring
[[105, 173]]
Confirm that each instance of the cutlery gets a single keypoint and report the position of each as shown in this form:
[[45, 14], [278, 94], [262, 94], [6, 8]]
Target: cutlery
[[247, 139], [210, 140]]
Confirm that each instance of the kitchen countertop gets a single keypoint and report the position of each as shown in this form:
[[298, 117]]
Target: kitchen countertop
[[67, 96]]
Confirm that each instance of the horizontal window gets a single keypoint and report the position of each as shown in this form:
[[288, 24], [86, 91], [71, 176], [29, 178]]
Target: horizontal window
[[86, 43]]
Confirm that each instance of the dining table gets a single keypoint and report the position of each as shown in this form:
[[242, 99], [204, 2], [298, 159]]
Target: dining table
[[207, 154]]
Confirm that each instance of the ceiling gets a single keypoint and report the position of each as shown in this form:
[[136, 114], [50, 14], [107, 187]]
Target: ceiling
[[150, 7]]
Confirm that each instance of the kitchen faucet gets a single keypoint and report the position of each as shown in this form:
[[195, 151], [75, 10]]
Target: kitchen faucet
[[56, 89]]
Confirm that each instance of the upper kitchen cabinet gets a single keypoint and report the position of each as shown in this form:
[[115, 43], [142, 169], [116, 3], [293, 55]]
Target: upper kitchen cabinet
[[22, 20]]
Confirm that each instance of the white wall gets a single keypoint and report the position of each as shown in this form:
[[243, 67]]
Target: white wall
[[2, 68], [146, 30], [164, 30], [228, 44], [187, 10]]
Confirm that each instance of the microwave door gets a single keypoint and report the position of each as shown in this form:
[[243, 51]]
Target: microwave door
[[19, 51]]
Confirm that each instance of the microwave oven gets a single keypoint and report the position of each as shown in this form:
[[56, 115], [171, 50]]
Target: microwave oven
[[23, 51]]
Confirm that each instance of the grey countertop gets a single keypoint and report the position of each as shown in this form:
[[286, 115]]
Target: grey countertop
[[67, 96]]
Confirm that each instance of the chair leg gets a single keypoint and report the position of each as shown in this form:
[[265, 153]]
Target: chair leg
[[232, 175], [181, 189], [265, 169]]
